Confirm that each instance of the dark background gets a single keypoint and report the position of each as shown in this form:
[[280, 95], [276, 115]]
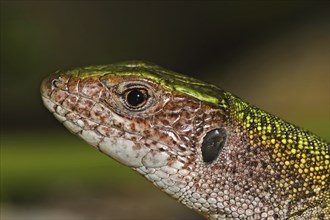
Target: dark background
[[275, 54]]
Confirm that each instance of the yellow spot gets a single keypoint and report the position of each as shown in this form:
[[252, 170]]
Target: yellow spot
[[287, 163], [272, 141], [284, 141], [303, 160], [293, 151], [326, 162], [264, 137]]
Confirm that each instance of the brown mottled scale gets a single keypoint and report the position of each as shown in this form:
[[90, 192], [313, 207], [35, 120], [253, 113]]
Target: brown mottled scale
[[265, 169]]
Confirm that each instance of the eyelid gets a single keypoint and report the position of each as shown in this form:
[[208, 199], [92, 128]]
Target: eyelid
[[135, 87], [124, 87]]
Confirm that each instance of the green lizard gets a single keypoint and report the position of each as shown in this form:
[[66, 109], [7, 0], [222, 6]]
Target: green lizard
[[203, 146]]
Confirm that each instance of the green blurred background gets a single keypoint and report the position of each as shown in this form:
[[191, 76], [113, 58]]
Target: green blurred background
[[275, 54]]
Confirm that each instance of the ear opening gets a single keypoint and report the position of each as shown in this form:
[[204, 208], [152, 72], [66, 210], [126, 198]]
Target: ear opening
[[213, 143]]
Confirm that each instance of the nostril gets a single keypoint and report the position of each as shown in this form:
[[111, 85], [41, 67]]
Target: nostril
[[59, 83], [58, 80], [56, 83]]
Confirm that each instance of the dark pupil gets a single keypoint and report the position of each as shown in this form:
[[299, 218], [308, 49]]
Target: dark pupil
[[135, 97]]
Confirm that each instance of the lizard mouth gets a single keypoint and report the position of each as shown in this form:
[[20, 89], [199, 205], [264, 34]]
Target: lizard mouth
[[108, 140]]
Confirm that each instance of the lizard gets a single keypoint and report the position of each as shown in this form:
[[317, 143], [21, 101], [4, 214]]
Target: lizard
[[202, 145]]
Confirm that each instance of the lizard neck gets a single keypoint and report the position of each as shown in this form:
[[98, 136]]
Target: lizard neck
[[291, 162]]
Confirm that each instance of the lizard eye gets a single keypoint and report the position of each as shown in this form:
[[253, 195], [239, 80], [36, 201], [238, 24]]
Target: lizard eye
[[135, 98]]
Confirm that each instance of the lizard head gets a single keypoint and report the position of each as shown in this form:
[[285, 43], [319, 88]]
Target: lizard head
[[144, 116]]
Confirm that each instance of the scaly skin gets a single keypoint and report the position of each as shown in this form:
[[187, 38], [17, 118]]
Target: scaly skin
[[265, 169]]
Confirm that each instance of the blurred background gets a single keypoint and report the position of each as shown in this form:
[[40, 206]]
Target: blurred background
[[275, 54]]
